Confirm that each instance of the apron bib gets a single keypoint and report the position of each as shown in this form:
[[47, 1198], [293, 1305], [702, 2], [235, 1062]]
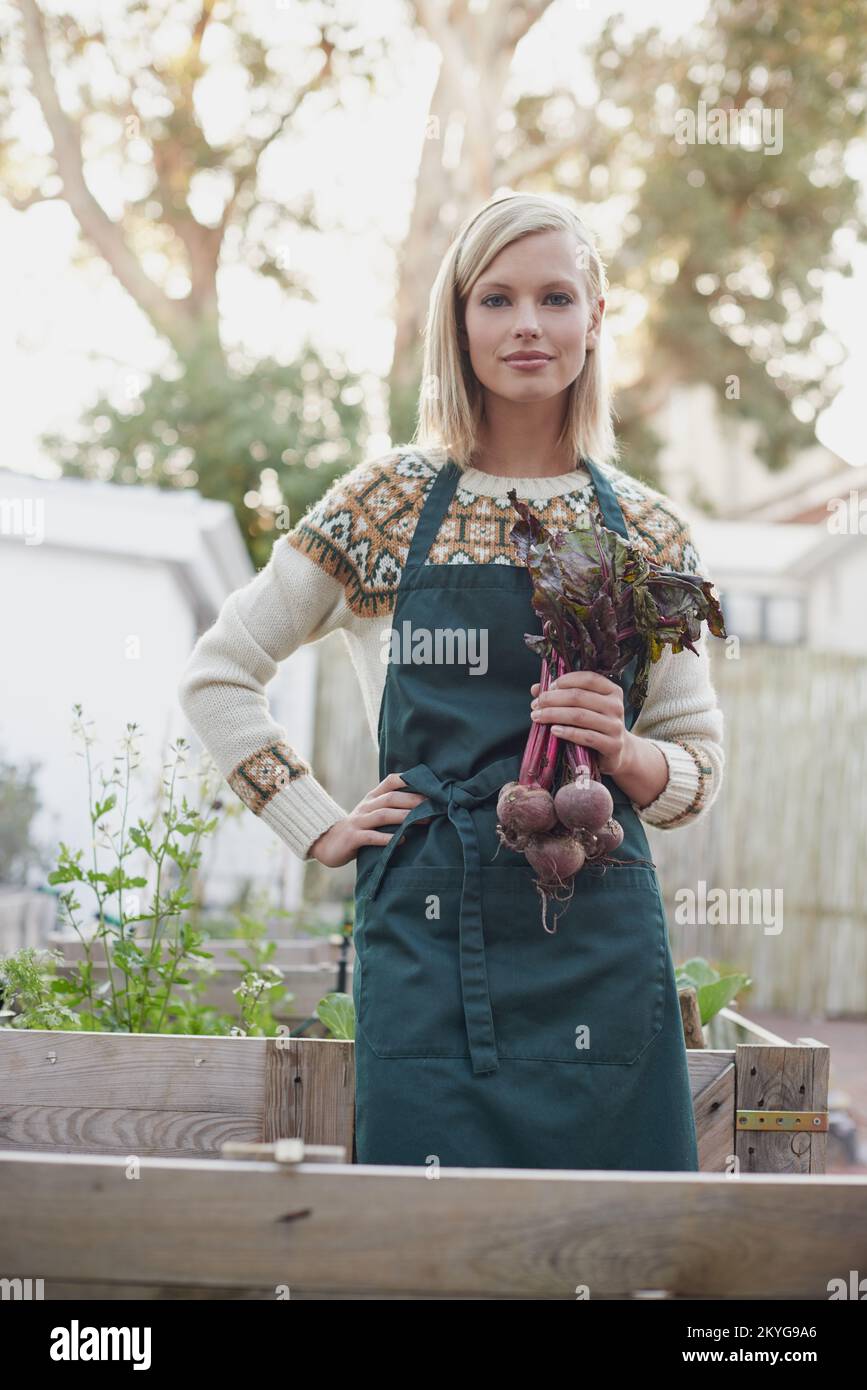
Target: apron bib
[[481, 1039]]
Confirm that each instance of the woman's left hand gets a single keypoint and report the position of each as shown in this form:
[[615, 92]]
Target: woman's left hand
[[587, 708]]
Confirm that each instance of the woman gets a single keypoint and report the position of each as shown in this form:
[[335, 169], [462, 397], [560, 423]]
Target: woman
[[481, 1040]]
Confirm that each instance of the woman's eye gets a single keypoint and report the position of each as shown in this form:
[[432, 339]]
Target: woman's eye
[[554, 294]]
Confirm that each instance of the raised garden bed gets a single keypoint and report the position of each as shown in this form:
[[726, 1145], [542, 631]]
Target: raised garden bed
[[268, 1230], [171, 1095]]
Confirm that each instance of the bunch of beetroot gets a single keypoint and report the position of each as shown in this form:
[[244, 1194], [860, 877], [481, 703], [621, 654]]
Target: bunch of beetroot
[[557, 830], [603, 605]]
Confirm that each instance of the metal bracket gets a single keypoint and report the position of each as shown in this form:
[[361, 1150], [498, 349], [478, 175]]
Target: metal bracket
[[814, 1121], [285, 1151]]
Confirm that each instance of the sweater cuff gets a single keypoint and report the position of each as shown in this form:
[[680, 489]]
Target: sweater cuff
[[301, 812], [278, 786], [678, 796]]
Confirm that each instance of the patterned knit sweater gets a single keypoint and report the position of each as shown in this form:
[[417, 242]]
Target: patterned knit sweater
[[339, 569]]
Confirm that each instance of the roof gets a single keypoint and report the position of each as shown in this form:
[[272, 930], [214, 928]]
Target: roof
[[773, 549], [197, 537]]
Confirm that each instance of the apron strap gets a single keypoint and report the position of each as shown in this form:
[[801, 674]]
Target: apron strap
[[609, 506], [433, 513]]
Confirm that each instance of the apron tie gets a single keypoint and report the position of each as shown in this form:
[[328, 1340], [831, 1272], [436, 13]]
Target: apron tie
[[455, 799]]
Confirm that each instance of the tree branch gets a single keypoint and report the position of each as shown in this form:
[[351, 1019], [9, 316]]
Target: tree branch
[[247, 171], [106, 236], [526, 162], [519, 24]]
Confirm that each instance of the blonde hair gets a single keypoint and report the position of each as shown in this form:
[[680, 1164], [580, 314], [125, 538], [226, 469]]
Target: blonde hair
[[450, 400]]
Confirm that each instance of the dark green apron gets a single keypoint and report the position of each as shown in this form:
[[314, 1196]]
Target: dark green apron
[[481, 1039]]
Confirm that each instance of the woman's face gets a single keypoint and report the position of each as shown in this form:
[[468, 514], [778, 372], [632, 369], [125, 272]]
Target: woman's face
[[533, 297]]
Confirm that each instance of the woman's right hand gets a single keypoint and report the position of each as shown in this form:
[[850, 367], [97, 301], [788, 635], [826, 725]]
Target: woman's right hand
[[385, 804]]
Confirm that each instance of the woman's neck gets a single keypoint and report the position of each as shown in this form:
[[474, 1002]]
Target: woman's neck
[[521, 448]]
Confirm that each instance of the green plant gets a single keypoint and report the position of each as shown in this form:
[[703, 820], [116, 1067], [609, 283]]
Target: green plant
[[147, 947], [337, 1012], [27, 977], [713, 990], [261, 988]]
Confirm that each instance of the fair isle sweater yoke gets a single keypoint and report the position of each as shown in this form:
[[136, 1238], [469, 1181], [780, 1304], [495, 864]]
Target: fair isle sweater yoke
[[339, 569]]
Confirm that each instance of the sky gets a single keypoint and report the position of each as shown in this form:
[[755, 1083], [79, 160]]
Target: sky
[[69, 332]]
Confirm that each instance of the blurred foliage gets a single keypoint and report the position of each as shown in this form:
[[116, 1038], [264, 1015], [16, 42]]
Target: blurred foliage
[[269, 439], [19, 806], [730, 246], [717, 253]]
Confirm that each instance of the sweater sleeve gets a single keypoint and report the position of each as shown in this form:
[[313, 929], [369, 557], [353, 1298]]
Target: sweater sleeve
[[222, 692], [682, 717], [681, 713]]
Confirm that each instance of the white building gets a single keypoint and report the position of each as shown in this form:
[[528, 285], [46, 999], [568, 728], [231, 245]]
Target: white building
[[798, 584], [786, 551], [105, 589]]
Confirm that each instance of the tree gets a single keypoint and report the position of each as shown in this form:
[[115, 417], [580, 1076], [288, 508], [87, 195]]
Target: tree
[[210, 418], [723, 249]]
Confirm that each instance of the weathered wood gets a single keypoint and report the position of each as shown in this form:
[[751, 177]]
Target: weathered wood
[[483, 1232], [705, 1065], [125, 1132], [690, 1016], [754, 1031], [781, 1078], [714, 1122], [310, 1092], [154, 1094], [168, 1095]]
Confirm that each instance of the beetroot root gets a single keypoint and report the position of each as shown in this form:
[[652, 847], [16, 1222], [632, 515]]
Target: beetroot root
[[525, 810], [585, 804], [556, 858]]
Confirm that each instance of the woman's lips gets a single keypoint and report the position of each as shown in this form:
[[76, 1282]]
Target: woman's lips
[[527, 364]]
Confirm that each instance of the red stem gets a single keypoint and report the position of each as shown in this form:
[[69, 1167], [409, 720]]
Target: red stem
[[540, 754], [579, 759]]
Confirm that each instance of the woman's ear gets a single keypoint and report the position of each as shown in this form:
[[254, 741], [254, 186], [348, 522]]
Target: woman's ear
[[594, 328], [463, 340]]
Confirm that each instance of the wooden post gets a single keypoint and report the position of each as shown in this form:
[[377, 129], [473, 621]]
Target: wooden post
[[781, 1099]]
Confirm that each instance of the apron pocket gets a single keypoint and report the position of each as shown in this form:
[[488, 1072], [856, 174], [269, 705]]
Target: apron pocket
[[409, 1001], [593, 991]]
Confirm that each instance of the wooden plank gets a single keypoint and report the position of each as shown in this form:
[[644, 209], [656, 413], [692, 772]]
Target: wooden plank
[[712, 1085], [156, 1095], [472, 1232], [781, 1078], [126, 1132], [817, 1092], [705, 1064], [150, 1071], [715, 1122], [310, 1092]]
